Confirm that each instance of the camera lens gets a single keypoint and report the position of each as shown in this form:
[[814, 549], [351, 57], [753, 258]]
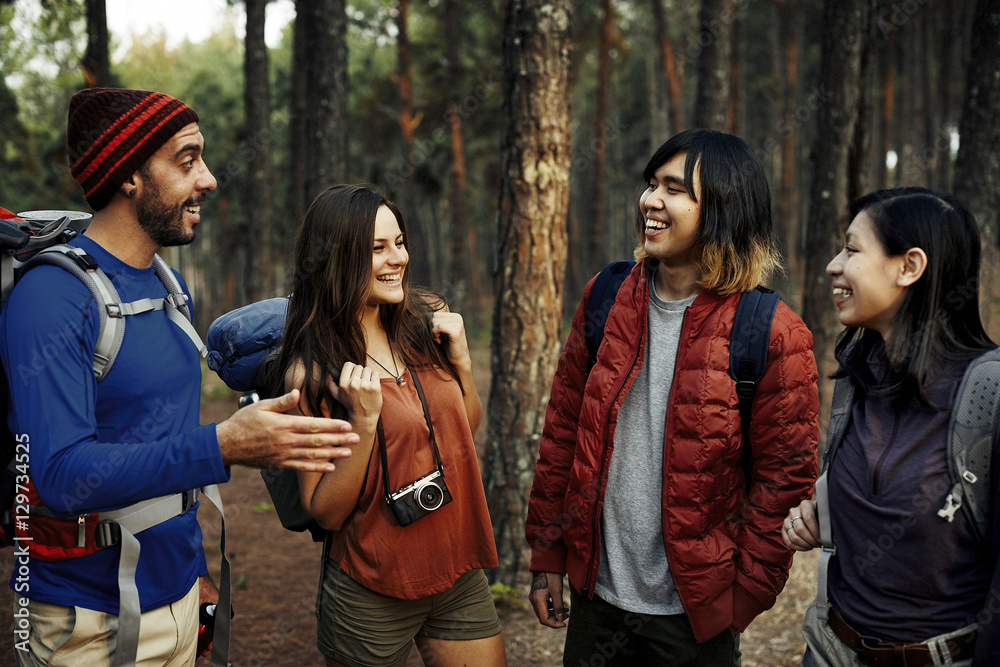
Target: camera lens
[[429, 496]]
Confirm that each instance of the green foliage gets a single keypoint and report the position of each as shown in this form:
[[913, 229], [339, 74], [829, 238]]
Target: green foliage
[[506, 595], [40, 48]]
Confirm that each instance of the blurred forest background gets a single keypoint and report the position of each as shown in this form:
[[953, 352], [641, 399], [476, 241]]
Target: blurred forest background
[[513, 135]]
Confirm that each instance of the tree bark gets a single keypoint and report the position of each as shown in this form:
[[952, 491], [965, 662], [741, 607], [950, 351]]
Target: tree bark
[[464, 269], [534, 201], [714, 46], [319, 102], [257, 239], [977, 166], [96, 63], [846, 31], [790, 202], [597, 240], [418, 235], [673, 70]]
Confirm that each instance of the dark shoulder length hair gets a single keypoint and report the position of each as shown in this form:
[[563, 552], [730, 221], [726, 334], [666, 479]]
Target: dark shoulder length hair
[[736, 249], [330, 281], [938, 319]]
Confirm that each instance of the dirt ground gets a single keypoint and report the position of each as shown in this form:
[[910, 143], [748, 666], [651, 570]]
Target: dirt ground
[[275, 574]]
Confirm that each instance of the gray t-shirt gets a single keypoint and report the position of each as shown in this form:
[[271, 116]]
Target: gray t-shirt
[[634, 573]]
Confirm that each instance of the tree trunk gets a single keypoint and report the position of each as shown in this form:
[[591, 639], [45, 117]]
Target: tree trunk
[[977, 167], [295, 199], [714, 45], [534, 201], [672, 69], [417, 233], [319, 99], [96, 63], [597, 240], [790, 203], [846, 30], [257, 237], [464, 268]]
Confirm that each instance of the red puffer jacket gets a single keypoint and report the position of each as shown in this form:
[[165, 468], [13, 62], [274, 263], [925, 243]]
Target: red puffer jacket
[[724, 548]]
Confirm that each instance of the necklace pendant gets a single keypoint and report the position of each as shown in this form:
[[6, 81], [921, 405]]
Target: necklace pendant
[[400, 381]]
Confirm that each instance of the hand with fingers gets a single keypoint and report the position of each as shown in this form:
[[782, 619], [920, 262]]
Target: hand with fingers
[[800, 529], [263, 436], [448, 328], [546, 598], [359, 389]]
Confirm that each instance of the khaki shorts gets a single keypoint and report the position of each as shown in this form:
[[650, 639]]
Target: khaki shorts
[[359, 627], [76, 636]]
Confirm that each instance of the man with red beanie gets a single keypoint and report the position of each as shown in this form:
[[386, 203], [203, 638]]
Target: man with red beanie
[[131, 437]]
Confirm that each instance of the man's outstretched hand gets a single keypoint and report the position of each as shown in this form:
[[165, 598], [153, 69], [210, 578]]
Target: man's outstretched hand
[[263, 436]]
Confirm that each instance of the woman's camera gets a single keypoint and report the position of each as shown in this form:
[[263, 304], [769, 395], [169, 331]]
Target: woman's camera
[[419, 498]]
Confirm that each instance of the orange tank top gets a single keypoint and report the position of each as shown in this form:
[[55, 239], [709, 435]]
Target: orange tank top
[[430, 554]]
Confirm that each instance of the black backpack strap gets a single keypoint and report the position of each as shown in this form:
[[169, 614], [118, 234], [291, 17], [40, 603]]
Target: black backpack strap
[[748, 351], [599, 303], [840, 414]]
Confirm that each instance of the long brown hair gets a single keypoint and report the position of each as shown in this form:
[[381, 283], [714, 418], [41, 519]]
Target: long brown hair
[[330, 282]]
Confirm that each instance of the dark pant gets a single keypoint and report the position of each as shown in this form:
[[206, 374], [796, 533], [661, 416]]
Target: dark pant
[[602, 635]]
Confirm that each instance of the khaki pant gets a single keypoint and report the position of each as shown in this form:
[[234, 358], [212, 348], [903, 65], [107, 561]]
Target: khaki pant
[[824, 649], [76, 636]]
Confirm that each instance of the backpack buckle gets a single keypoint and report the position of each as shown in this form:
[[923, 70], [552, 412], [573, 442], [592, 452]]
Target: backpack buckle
[[746, 388], [177, 300], [190, 497], [107, 534]]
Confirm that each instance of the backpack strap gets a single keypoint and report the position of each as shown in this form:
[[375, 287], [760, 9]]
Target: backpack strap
[[840, 412], [748, 343], [971, 434], [121, 527], [599, 303], [111, 310]]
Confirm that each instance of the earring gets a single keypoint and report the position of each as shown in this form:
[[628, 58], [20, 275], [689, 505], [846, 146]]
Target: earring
[[131, 193]]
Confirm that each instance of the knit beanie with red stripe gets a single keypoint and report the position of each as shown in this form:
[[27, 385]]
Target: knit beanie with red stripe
[[111, 132]]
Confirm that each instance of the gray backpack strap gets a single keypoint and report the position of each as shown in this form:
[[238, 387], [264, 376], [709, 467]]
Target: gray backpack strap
[[121, 527], [111, 310], [971, 435], [112, 327], [829, 550], [176, 304], [223, 609], [840, 413]]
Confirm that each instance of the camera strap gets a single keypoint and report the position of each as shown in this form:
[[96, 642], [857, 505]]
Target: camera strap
[[381, 438]]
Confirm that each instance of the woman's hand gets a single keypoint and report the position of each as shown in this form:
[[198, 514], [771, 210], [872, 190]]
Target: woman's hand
[[360, 391], [800, 529], [448, 329]]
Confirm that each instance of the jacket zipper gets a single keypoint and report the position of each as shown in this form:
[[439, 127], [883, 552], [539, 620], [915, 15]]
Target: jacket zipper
[[596, 546]]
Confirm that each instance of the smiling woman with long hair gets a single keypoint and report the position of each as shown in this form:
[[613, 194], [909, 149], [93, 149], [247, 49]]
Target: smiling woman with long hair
[[409, 528], [908, 584]]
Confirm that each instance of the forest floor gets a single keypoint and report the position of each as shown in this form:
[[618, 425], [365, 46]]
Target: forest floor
[[275, 574]]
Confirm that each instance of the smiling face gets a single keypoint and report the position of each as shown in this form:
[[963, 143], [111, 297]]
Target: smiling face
[[868, 285], [672, 214], [389, 259], [173, 185]]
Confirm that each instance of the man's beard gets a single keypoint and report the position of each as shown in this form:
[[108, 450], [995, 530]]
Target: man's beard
[[164, 224]]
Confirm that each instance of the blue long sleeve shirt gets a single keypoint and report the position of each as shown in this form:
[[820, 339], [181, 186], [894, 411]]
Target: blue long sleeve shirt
[[101, 446]]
